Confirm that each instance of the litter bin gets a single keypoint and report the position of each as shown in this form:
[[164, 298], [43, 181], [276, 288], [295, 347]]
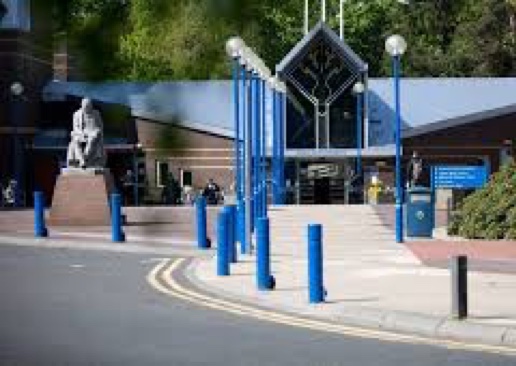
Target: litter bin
[[420, 212]]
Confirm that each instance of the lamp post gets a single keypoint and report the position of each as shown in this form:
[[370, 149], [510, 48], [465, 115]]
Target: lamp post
[[17, 90], [396, 46], [136, 177], [234, 48], [358, 91], [253, 70], [341, 19], [282, 92], [273, 81], [248, 189]]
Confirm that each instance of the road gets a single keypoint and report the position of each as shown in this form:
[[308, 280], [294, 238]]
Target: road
[[71, 307]]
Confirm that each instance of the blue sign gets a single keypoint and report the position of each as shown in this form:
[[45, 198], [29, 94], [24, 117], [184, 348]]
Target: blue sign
[[459, 176]]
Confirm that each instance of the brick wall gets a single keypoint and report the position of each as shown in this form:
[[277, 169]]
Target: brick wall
[[205, 155]]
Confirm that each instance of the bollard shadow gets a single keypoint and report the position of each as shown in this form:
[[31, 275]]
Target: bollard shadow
[[249, 274], [290, 289], [501, 317], [366, 300]]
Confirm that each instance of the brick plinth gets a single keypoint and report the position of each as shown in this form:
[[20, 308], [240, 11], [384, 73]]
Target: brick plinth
[[81, 200]]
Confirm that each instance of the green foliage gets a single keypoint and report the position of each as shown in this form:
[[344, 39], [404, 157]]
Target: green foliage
[[490, 213], [184, 39]]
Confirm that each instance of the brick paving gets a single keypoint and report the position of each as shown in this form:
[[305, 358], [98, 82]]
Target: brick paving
[[159, 222]]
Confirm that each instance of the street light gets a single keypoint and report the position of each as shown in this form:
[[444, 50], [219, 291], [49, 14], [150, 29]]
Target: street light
[[396, 46], [17, 90], [253, 72], [358, 91], [136, 192], [341, 16]]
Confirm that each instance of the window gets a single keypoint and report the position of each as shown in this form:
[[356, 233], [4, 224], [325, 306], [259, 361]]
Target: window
[[186, 178], [17, 14], [161, 173]]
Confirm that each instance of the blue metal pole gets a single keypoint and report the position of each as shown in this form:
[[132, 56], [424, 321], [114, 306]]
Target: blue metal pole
[[315, 264], [359, 134], [232, 251], [244, 115], [282, 121], [242, 137], [201, 220], [399, 187], [222, 244], [40, 230], [256, 148], [248, 218], [236, 102], [117, 235], [263, 153], [263, 262], [275, 149]]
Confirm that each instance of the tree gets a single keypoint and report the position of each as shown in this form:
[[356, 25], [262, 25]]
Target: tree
[[484, 43], [92, 29], [184, 39]]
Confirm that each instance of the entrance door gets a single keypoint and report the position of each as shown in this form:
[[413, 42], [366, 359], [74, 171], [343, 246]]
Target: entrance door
[[322, 191]]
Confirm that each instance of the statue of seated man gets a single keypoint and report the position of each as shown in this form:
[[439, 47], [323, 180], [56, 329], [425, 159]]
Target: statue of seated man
[[86, 148], [415, 170]]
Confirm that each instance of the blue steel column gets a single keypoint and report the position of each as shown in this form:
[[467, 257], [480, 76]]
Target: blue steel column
[[236, 103], [263, 154], [241, 188], [275, 149], [248, 223], [282, 119], [256, 148], [399, 187], [359, 134]]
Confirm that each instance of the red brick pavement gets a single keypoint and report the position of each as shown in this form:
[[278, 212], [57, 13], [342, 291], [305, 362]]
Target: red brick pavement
[[157, 222], [486, 256], [485, 250]]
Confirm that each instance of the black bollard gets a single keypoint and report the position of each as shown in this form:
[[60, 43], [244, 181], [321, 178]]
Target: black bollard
[[459, 286]]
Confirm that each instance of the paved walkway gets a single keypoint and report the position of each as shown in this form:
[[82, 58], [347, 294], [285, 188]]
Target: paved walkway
[[163, 230], [370, 279]]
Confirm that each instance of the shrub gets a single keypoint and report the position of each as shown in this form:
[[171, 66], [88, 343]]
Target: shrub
[[490, 212]]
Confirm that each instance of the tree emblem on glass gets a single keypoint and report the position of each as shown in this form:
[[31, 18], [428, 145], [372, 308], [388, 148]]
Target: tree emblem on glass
[[322, 73]]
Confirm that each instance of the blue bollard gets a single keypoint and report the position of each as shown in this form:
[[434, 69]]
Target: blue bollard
[[117, 235], [222, 243], [202, 237], [263, 274], [315, 264], [40, 230], [232, 250]]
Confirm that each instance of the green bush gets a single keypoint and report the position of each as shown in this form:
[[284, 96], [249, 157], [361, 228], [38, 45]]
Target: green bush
[[490, 212]]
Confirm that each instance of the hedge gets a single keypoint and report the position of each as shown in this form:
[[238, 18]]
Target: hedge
[[490, 212]]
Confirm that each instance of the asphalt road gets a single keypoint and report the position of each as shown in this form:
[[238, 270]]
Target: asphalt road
[[67, 307]]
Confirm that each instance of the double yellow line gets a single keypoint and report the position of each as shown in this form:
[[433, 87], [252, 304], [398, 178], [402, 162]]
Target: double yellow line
[[162, 279]]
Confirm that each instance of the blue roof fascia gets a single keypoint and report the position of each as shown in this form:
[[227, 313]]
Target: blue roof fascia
[[199, 105], [429, 104]]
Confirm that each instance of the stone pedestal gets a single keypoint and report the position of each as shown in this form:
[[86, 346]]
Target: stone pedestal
[[81, 198]]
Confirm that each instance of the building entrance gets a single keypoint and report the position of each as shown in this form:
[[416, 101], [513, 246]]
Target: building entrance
[[322, 191], [323, 183]]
